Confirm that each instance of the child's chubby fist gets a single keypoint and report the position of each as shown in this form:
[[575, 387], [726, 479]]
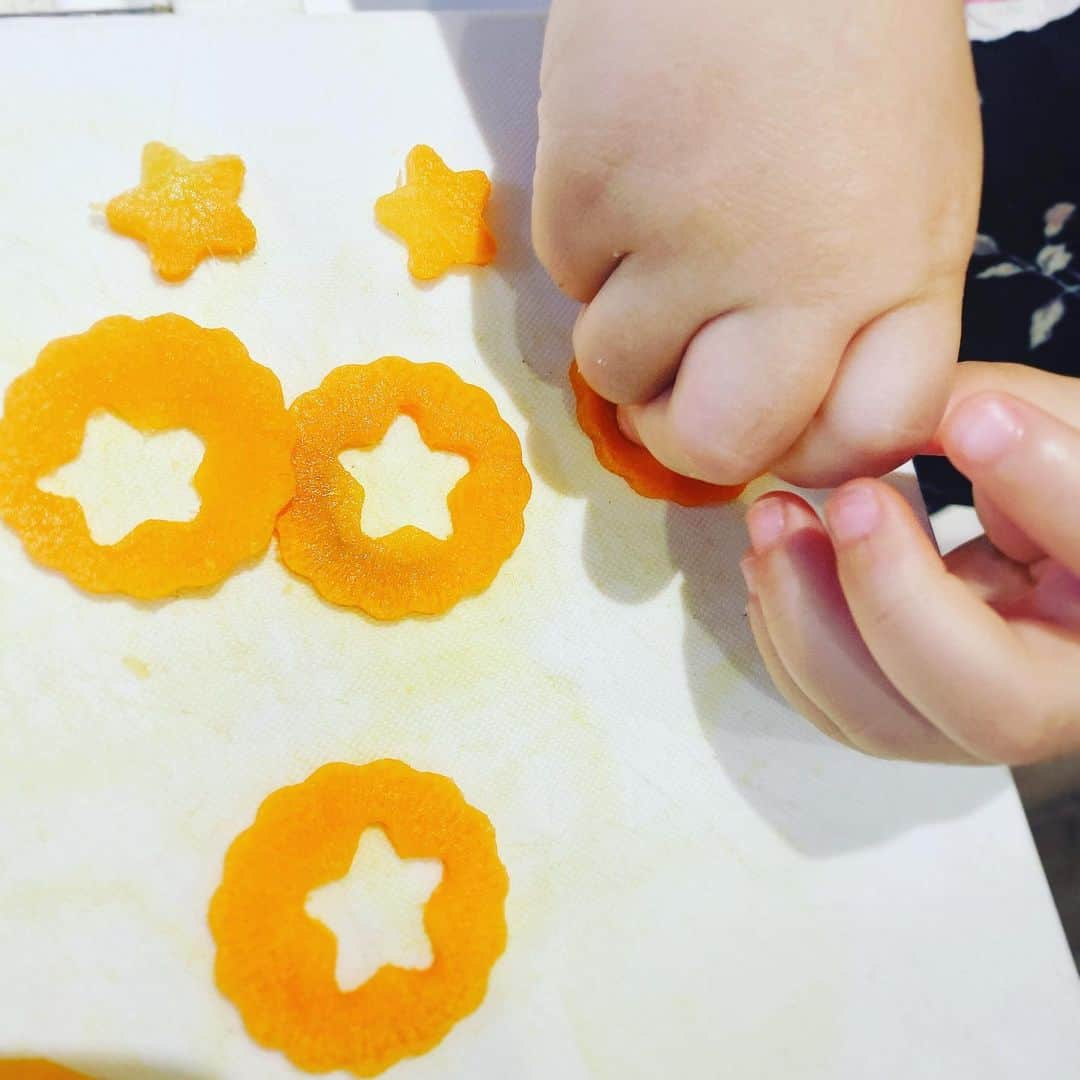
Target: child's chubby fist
[[767, 209]]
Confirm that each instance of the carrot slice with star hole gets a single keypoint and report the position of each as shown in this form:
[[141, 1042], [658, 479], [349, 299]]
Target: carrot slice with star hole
[[599, 420], [439, 214], [36, 1069], [408, 572], [276, 963], [183, 210], [159, 374]]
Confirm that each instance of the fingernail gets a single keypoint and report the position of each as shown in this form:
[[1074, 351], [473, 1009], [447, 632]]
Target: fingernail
[[749, 574], [984, 430], [766, 521], [853, 513]]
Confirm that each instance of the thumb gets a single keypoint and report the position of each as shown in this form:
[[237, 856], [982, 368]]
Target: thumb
[[1025, 460], [1058, 395]]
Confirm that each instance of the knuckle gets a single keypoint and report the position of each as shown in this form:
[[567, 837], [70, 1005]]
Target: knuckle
[[611, 358], [711, 453], [888, 618], [866, 443], [612, 376], [574, 179], [870, 437], [829, 470], [900, 738], [549, 239], [598, 354], [575, 247]]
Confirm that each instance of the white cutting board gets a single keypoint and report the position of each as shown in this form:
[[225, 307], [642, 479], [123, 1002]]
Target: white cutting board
[[701, 885]]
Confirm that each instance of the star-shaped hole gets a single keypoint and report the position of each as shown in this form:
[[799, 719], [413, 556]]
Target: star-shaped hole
[[376, 911], [123, 477], [404, 482]]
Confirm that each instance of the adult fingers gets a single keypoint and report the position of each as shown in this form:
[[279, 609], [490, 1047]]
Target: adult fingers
[[1026, 462], [1004, 533], [987, 572], [786, 686], [1059, 395], [817, 641], [955, 659]]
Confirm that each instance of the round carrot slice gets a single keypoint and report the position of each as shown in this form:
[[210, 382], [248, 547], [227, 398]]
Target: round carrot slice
[[277, 964], [634, 463], [159, 374], [409, 572], [37, 1069]]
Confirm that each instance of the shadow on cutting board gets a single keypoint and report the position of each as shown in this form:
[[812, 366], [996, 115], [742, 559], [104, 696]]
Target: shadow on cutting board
[[821, 797]]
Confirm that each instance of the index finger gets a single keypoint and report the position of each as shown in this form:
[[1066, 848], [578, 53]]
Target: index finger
[[1026, 461]]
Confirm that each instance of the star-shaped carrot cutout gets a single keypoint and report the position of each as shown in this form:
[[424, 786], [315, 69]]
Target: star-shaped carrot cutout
[[184, 210], [439, 214]]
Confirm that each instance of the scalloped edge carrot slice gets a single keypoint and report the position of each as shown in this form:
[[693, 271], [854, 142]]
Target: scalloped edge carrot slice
[[598, 419], [276, 963], [157, 374], [409, 572], [37, 1069]]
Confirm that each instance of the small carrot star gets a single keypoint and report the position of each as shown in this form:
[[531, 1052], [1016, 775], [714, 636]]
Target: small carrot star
[[439, 214], [184, 210]]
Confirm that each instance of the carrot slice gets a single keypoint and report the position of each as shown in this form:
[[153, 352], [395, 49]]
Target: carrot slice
[[36, 1069], [184, 210], [439, 214], [598, 419], [159, 374], [409, 572], [277, 964]]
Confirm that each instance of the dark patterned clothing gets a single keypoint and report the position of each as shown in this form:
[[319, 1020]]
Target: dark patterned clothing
[[1023, 293]]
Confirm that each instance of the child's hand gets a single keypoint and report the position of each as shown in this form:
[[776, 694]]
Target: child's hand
[[768, 208], [882, 644]]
